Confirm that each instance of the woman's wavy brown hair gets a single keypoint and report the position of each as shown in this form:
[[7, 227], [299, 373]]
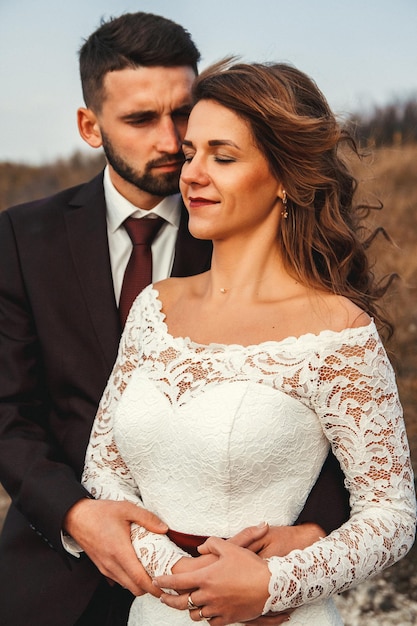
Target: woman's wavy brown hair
[[293, 126]]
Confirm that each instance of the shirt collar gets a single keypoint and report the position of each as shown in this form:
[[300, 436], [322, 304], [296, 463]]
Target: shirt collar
[[119, 209]]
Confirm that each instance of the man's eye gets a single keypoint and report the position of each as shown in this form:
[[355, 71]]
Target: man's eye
[[139, 121]]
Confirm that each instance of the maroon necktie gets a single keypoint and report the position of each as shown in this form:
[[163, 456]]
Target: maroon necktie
[[138, 272]]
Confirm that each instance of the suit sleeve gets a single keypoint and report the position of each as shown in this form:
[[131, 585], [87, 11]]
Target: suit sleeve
[[33, 468]]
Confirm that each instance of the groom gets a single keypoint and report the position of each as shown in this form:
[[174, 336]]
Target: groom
[[62, 261]]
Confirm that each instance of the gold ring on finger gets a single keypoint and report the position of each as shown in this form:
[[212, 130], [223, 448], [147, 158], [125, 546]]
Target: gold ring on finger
[[207, 619], [190, 604]]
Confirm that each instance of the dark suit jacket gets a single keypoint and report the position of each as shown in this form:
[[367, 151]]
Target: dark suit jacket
[[59, 334]]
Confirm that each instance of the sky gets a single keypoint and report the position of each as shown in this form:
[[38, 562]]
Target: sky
[[361, 53]]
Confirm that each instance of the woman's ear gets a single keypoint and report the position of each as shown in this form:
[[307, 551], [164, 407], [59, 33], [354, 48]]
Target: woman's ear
[[88, 127], [281, 193]]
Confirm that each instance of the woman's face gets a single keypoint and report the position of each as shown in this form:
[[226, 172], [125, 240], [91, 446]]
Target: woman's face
[[226, 181]]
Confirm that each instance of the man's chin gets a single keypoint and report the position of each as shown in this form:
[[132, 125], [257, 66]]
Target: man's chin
[[162, 185]]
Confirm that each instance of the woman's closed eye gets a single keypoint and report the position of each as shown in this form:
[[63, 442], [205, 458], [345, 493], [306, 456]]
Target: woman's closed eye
[[218, 158], [223, 159]]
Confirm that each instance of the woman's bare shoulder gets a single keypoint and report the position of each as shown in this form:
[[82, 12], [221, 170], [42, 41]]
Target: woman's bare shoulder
[[171, 289], [339, 312]]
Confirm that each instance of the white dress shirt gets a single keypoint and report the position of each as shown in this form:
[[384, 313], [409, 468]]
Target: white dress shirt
[[120, 245]]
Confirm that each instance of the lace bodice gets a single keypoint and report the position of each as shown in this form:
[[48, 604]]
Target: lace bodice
[[216, 438]]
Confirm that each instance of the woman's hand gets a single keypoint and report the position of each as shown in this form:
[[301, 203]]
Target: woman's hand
[[233, 588], [265, 541]]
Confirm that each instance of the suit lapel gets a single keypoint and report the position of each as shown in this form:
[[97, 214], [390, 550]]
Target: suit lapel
[[87, 235], [192, 256]]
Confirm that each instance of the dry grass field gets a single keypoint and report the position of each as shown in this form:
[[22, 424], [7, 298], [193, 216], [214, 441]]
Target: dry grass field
[[391, 176]]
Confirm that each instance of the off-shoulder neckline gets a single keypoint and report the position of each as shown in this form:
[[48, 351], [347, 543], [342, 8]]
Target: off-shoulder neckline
[[306, 338]]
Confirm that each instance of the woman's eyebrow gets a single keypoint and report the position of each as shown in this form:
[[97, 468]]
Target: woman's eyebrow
[[214, 142]]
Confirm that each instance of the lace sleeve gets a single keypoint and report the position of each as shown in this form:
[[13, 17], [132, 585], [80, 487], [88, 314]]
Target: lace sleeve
[[357, 403], [106, 475]]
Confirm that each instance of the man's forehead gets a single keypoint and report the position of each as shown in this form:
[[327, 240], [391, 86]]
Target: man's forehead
[[149, 88], [149, 80]]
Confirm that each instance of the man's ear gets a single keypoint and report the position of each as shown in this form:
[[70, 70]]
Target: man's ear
[[88, 127]]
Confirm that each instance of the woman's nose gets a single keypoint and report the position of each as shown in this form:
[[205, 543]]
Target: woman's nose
[[193, 171]]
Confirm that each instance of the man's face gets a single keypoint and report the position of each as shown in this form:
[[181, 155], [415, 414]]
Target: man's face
[[142, 123]]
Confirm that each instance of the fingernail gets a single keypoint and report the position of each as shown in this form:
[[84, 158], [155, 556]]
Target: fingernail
[[262, 525]]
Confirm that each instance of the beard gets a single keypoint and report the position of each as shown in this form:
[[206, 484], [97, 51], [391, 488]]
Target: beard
[[163, 184]]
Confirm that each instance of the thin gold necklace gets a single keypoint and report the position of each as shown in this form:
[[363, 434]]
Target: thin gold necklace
[[225, 290]]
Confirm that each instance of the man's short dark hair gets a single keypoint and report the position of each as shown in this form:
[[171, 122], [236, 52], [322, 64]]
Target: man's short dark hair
[[132, 40]]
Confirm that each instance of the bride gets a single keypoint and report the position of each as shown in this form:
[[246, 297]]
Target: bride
[[231, 386]]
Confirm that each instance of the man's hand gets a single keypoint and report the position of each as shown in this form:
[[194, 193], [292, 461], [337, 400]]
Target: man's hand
[[269, 541], [102, 529]]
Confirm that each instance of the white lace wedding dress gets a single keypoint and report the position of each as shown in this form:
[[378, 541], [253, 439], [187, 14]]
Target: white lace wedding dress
[[216, 438]]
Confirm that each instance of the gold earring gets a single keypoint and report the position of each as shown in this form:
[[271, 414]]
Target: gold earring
[[284, 211]]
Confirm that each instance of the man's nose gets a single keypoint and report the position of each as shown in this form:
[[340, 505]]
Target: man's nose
[[169, 137]]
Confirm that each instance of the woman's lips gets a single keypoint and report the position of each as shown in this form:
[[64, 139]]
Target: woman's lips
[[198, 202]]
